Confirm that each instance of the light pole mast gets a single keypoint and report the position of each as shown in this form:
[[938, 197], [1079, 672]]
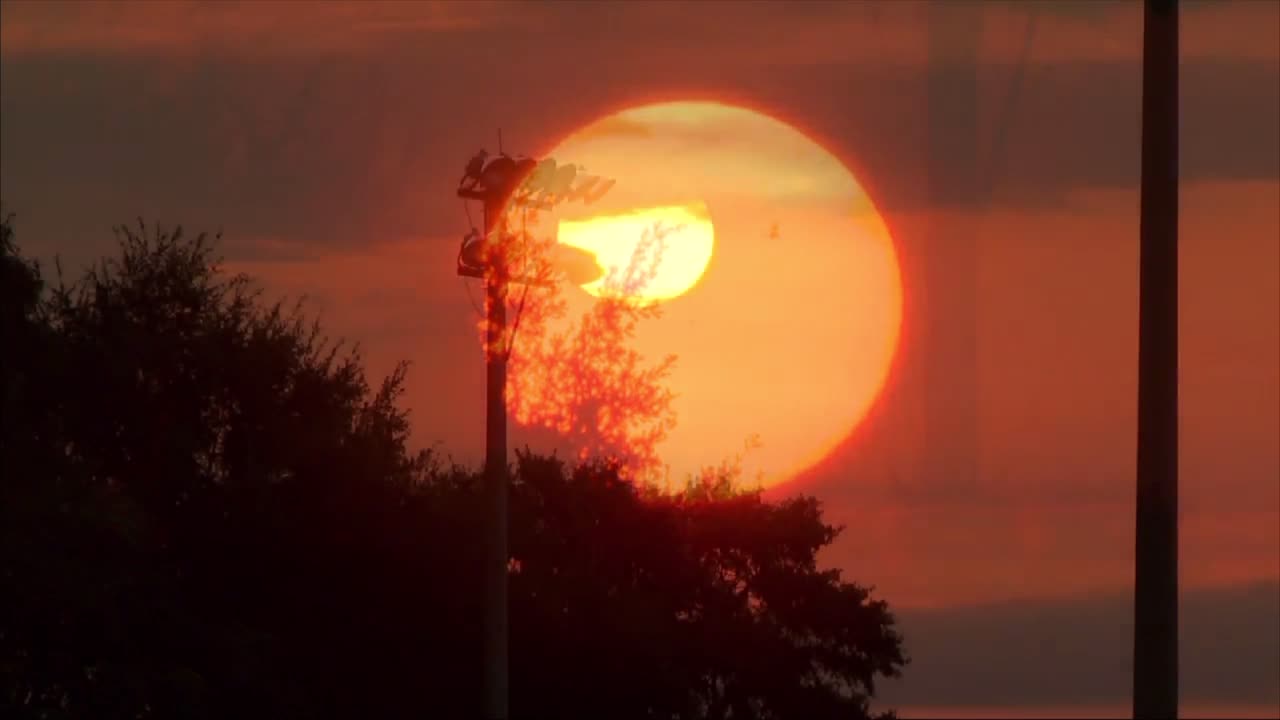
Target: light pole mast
[[495, 478], [492, 187], [1155, 632], [498, 184]]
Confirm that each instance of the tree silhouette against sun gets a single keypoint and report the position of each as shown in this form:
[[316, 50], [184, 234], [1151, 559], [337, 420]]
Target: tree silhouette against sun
[[582, 381], [205, 500]]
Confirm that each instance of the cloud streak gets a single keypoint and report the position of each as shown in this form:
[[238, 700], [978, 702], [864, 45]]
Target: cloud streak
[[260, 28], [354, 152], [761, 34]]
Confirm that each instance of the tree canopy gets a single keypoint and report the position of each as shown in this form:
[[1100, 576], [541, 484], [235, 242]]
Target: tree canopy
[[207, 510]]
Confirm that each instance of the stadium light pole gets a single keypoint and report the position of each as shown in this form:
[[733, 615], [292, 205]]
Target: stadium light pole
[[493, 196], [1155, 631], [498, 184]]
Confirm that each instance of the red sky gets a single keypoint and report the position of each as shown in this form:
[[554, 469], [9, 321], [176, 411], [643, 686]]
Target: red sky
[[325, 140]]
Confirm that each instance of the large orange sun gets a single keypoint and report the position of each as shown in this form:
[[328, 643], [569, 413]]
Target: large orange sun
[[779, 283]]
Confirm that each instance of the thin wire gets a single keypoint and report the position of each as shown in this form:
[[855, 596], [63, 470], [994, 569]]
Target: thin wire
[[466, 286], [467, 209], [524, 237], [995, 163]]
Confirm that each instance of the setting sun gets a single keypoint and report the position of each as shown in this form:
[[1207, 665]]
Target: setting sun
[[802, 290], [614, 239]]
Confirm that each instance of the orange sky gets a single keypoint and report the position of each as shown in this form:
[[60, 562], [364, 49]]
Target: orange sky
[[326, 144]]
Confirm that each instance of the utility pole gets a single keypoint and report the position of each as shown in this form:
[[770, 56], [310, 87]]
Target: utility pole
[[493, 190], [1155, 609], [495, 479], [499, 184]]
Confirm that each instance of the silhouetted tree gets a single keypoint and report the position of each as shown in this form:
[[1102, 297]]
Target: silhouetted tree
[[215, 491], [207, 511], [703, 604], [585, 383]]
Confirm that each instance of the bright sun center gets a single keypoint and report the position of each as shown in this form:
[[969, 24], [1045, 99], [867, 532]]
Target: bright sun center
[[678, 256]]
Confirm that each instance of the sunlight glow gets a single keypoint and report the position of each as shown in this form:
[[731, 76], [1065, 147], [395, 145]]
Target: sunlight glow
[[788, 336], [614, 237]]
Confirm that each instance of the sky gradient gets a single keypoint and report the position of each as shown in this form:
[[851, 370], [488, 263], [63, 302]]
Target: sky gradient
[[325, 141]]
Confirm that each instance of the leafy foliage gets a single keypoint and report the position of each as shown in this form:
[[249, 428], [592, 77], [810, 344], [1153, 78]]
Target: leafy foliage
[[587, 384], [687, 605], [582, 381], [207, 511]]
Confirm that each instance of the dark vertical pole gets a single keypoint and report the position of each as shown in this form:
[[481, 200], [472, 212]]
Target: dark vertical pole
[[1155, 638], [495, 481], [950, 353]]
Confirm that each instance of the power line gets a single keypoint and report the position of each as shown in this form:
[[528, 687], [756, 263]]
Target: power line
[[999, 140]]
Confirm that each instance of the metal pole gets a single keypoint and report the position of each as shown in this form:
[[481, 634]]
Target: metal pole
[[494, 184], [495, 481], [1155, 638]]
